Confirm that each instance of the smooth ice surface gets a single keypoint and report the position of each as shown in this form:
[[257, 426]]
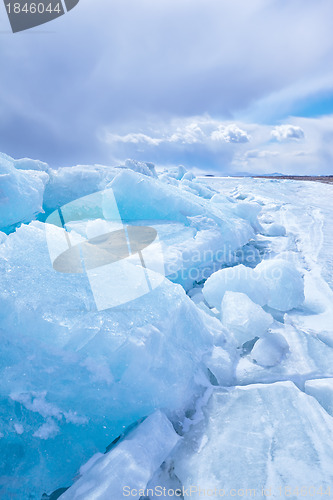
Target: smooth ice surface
[[285, 283], [235, 279], [243, 318], [21, 193], [322, 390], [130, 465], [258, 436], [269, 350]]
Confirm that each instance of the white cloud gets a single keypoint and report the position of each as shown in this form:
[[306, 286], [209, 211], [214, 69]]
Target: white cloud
[[303, 145], [230, 133], [129, 68], [256, 153], [136, 138], [189, 134], [287, 133], [185, 131]]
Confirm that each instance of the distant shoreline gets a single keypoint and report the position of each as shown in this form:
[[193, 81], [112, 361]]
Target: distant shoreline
[[327, 179]]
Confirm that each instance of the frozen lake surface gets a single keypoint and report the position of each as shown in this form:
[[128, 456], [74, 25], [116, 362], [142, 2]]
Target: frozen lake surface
[[163, 331]]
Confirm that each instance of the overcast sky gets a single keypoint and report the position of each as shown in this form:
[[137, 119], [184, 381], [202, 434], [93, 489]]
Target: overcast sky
[[218, 85]]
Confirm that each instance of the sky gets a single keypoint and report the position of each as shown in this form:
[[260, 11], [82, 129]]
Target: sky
[[220, 86]]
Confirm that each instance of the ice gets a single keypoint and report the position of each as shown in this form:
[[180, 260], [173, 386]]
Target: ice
[[21, 193], [244, 209], [235, 279], [270, 350], [307, 358], [151, 199], [3, 237], [197, 188], [75, 380], [69, 183], [258, 437], [28, 164], [285, 283], [177, 172], [126, 469], [76, 376], [189, 176], [275, 230], [141, 167], [245, 319], [189, 254], [322, 390], [221, 365]]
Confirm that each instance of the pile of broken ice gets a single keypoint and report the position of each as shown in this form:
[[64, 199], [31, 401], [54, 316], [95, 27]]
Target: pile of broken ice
[[201, 384]]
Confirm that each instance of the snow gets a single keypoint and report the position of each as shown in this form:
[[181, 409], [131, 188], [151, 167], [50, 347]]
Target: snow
[[126, 469], [244, 318]]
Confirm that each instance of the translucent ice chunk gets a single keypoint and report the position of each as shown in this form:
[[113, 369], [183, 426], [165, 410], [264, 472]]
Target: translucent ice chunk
[[285, 283], [244, 318], [126, 469], [21, 193], [236, 279], [269, 350]]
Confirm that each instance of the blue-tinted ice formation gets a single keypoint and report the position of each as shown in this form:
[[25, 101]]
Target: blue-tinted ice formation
[[219, 377]]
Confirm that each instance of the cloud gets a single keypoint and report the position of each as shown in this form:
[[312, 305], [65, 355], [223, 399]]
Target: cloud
[[255, 154], [287, 133], [184, 131], [303, 146], [189, 134], [230, 133], [112, 68], [133, 138]]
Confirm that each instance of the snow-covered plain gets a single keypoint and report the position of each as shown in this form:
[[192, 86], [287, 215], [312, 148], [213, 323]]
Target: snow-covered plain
[[219, 379]]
